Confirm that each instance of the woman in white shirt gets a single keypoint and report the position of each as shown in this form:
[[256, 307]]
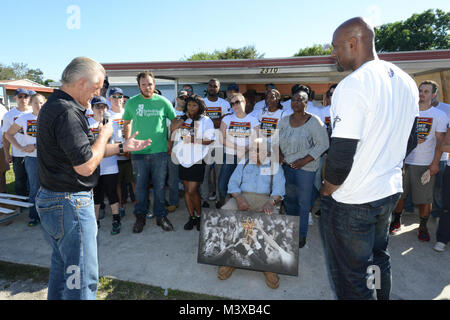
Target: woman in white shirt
[[109, 170], [237, 131], [27, 123], [194, 131]]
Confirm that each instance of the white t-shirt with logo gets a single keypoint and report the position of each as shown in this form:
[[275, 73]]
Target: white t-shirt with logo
[[28, 123], [8, 119], [216, 110], [268, 121], [107, 165], [377, 105], [446, 109], [430, 121], [260, 105], [189, 154], [239, 131]]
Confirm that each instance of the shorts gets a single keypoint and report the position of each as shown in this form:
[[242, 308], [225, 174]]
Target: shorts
[[194, 173], [420, 194], [107, 184], [125, 171]]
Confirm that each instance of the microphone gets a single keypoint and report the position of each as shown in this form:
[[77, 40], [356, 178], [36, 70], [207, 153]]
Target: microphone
[[105, 118]]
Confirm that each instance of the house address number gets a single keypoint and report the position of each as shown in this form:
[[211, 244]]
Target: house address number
[[268, 70]]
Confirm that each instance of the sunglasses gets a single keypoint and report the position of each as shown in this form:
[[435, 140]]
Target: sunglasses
[[236, 102], [23, 97], [182, 98], [117, 97], [100, 106]]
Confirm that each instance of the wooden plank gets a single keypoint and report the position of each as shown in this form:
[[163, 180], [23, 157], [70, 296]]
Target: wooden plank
[[12, 196], [5, 218], [16, 203], [6, 211]]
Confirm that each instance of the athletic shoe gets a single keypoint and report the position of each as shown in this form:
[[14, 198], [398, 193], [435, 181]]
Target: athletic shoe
[[424, 235], [439, 246], [115, 227], [197, 223], [301, 242], [317, 214], [310, 220], [101, 213], [394, 227], [150, 214], [34, 223], [191, 223], [139, 224]]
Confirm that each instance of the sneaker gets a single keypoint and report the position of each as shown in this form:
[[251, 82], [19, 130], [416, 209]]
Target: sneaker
[[310, 220], [98, 224], [424, 235], [165, 224], [205, 204], [150, 214], [439, 246], [197, 223], [317, 214], [122, 212], [225, 272], [212, 197], [101, 213], [394, 227], [139, 224], [115, 227], [191, 223], [301, 242], [272, 280], [34, 223]]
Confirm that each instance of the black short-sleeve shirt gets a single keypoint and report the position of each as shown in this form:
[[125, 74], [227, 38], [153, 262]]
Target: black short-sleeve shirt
[[63, 141]]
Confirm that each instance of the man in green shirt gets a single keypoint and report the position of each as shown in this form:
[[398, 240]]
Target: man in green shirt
[[147, 114]]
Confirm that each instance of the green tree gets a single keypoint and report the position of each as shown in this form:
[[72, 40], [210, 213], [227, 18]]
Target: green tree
[[247, 52], [426, 31], [6, 73], [315, 50], [19, 70]]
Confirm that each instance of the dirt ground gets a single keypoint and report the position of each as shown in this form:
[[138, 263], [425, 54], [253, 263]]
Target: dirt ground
[[22, 290]]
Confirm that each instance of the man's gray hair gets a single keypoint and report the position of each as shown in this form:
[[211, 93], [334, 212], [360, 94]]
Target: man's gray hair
[[82, 67]]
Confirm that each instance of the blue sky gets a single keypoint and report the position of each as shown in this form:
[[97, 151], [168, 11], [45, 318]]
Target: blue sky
[[45, 34]]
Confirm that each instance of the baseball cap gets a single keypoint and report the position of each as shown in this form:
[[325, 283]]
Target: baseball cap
[[182, 93], [234, 87], [114, 91], [99, 100], [31, 92], [270, 85], [21, 90]]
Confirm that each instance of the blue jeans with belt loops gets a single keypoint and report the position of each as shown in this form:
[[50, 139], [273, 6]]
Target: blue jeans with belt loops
[[355, 239], [69, 224]]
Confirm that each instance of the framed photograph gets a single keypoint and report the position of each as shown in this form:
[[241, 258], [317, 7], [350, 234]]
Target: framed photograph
[[249, 240]]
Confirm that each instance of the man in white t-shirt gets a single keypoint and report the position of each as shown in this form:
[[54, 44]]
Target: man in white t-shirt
[[423, 161], [373, 111], [216, 109], [22, 98], [437, 192], [260, 105]]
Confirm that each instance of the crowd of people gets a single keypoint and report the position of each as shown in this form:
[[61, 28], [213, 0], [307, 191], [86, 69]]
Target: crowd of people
[[241, 153]]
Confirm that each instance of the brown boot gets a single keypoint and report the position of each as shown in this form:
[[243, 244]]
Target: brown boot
[[272, 280], [139, 224], [225, 272]]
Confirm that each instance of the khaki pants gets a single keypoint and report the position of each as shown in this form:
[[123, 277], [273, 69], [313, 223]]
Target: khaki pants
[[255, 202]]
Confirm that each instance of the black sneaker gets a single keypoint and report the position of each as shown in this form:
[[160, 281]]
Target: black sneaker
[[301, 242], [115, 227], [139, 224], [191, 223], [197, 223]]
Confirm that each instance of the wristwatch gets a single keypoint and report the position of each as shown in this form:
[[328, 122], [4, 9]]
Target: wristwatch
[[121, 148]]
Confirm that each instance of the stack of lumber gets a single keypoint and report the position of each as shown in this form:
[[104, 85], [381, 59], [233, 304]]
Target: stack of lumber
[[10, 204]]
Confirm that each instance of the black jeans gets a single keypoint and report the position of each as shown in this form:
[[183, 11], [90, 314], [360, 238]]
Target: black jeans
[[20, 173]]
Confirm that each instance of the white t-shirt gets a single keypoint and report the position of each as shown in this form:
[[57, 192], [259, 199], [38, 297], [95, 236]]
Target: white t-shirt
[[3, 111], [268, 121], [117, 118], [107, 165], [28, 123], [239, 130], [8, 120], [446, 108], [430, 121], [260, 105], [216, 110], [377, 105], [188, 154]]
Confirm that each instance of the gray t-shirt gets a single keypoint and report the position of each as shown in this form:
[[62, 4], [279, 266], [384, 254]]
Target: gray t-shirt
[[309, 139]]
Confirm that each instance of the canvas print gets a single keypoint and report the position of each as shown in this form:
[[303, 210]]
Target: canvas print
[[249, 240]]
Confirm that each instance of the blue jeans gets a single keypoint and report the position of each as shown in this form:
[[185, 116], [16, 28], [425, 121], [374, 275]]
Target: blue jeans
[[299, 186], [355, 237], [33, 181], [227, 169], [69, 224], [437, 191], [156, 166], [173, 180], [317, 182], [21, 182]]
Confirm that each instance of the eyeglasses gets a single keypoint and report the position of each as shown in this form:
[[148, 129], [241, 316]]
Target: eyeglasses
[[23, 97], [117, 97], [236, 102]]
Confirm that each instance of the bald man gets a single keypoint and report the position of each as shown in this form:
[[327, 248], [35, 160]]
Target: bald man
[[372, 112]]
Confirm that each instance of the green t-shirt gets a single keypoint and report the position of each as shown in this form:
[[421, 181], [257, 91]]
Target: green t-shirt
[[149, 118]]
